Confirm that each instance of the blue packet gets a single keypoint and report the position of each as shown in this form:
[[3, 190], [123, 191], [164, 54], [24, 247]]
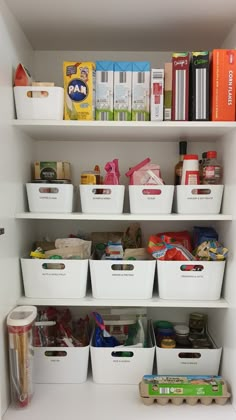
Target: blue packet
[[101, 337], [203, 234]]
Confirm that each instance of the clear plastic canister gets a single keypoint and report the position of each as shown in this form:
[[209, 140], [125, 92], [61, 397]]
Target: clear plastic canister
[[19, 323]]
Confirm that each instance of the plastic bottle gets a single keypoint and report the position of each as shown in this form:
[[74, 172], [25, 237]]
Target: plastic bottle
[[179, 165], [212, 170], [190, 172], [201, 163]]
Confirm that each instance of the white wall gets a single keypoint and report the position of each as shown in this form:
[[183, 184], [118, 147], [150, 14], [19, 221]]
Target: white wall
[[15, 156], [53, 71]]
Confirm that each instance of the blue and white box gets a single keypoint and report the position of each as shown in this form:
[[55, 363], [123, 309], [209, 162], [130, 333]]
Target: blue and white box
[[122, 90], [141, 91], [104, 90]]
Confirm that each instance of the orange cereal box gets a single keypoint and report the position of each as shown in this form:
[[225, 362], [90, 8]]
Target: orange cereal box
[[223, 85]]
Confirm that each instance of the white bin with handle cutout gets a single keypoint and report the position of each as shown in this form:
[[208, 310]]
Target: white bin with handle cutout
[[39, 102], [60, 365], [199, 199], [102, 199], [124, 279], [50, 198], [181, 361], [111, 366], [190, 280], [151, 199], [47, 278]]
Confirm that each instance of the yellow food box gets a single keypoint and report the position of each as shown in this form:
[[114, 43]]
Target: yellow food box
[[79, 87]]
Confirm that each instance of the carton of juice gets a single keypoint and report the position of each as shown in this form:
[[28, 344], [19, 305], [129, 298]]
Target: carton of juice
[[122, 90], [141, 91], [79, 88], [104, 90]]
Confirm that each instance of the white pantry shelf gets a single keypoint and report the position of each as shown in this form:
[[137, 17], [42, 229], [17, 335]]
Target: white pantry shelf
[[89, 400], [125, 216], [155, 302], [123, 131]]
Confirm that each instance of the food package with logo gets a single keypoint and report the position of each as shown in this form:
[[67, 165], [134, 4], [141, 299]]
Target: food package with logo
[[51, 171], [179, 389], [79, 86]]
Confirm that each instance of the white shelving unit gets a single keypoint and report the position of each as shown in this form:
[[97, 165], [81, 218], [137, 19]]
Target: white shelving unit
[[155, 302], [109, 400], [124, 216], [30, 35], [122, 130]]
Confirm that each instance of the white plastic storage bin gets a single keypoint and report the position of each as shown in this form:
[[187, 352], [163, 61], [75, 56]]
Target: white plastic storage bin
[[199, 199], [31, 105], [50, 198], [125, 279], [188, 361], [190, 280], [151, 199], [46, 278], [102, 199], [109, 367], [68, 366]]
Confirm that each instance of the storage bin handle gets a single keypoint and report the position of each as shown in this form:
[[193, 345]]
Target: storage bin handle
[[192, 355], [122, 353], [102, 191], [148, 191], [53, 266], [191, 267], [201, 191], [40, 94], [48, 190], [122, 267], [55, 353]]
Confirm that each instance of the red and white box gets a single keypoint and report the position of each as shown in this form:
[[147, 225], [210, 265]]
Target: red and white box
[[157, 94]]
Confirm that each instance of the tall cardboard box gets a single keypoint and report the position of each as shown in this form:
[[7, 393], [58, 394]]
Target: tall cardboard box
[[180, 86], [141, 91], [122, 90], [199, 89], [79, 90], [104, 90], [223, 85], [167, 91], [157, 94]]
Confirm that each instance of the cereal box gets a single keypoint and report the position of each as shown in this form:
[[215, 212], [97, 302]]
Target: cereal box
[[223, 85], [79, 87]]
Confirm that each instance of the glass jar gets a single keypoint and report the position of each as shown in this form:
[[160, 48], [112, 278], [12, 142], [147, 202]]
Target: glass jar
[[182, 336]]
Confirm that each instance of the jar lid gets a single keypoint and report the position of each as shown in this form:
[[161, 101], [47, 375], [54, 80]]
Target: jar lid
[[191, 157], [168, 343], [181, 329], [211, 154], [163, 324]]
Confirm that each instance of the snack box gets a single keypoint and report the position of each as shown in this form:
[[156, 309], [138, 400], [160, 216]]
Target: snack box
[[177, 389]]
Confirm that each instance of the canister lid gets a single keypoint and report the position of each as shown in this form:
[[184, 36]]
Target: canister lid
[[181, 329], [22, 316], [191, 157]]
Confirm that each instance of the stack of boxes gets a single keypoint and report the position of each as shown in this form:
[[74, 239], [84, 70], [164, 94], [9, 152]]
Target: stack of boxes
[[200, 86]]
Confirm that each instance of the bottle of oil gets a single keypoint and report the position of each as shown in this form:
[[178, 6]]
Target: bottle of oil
[[179, 165]]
